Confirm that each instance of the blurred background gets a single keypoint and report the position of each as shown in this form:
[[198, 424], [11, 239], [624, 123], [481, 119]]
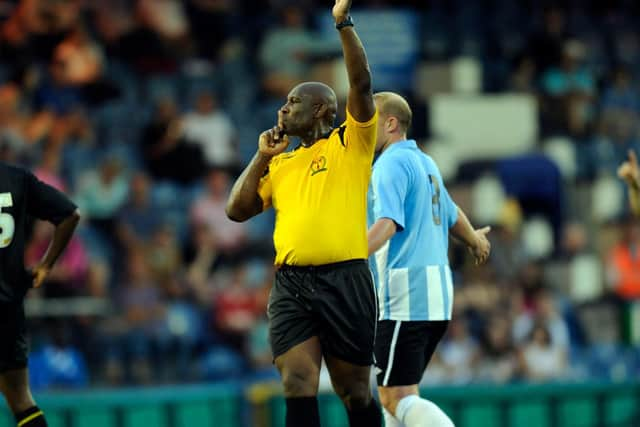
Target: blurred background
[[144, 111]]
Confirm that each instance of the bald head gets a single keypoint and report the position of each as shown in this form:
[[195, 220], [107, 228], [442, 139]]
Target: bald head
[[310, 110], [319, 93], [391, 104]]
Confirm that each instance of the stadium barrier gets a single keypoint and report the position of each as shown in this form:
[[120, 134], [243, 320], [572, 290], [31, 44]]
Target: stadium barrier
[[230, 405]]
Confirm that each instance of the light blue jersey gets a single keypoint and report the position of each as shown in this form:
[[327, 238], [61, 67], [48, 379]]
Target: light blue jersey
[[411, 271]]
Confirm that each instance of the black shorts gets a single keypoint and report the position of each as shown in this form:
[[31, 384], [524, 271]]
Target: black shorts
[[335, 302], [404, 349], [13, 337]]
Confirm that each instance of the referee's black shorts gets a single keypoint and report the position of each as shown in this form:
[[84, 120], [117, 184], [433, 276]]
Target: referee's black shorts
[[335, 302], [13, 337], [404, 349]]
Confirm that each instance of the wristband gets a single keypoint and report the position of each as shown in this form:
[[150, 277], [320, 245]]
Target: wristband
[[346, 23]]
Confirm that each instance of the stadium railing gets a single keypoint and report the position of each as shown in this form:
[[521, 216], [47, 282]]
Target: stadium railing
[[234, 405]]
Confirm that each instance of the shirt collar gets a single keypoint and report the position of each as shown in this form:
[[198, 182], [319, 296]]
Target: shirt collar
[[407, 143]]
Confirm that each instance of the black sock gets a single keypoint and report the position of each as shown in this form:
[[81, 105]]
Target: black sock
[[32, 417], [369, 416], [302, 412]]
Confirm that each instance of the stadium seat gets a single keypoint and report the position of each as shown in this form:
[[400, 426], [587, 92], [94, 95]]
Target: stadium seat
[[607, 199], [563, 153], [537, 237], [488, 198]]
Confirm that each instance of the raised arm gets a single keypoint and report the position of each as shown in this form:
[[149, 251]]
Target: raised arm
[[360, 101], [244, 201], [630, 173], [476, 240]]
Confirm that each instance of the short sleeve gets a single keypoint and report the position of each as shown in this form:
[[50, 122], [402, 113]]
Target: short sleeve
[[390, 182], [451, 209], [361, 135], [265, 190], [45, 202]]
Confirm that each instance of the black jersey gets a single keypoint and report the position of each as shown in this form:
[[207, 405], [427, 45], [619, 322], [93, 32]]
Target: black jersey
[[23, 197]]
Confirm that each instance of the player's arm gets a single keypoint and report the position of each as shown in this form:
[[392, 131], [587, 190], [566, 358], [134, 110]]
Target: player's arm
[[476, 240], [360, 99], [48, 204], [61, 237], [244, 201], [630, 173]]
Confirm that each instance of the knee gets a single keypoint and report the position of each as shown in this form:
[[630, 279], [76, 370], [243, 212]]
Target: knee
[[300, 382], [354, 395], [388, 402]]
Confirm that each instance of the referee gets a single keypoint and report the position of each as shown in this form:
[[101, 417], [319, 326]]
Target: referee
[[411, 216], [323, 303]]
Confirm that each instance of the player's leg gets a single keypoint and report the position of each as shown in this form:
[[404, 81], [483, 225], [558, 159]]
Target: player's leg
[[295, 345], [14, 376], [403, 350], [351, 384], [14, 384], [299, 369]]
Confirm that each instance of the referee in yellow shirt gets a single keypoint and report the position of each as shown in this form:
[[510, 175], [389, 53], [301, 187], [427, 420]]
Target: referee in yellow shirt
[[323, 302]]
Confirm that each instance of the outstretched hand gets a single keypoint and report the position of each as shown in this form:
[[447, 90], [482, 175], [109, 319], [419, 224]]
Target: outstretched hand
[[482, 247], [341, 10], [629, 170]]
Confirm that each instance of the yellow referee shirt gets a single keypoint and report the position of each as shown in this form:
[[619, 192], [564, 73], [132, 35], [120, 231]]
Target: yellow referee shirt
[[320, 196]]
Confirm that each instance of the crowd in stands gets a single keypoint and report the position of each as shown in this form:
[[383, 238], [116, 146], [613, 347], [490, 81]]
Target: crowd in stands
[[145, 110]]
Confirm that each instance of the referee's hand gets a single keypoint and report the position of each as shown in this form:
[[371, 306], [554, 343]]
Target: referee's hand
[[273, 142], [482, 248]]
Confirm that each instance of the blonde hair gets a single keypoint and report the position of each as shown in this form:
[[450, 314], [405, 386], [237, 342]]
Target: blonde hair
[[394, 105]]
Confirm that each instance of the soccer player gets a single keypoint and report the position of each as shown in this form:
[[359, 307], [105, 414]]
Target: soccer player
[[630, 173], [322, 303], [23, 196], [412, 216]]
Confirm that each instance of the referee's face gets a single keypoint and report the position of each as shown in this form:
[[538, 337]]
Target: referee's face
[[296, 116]]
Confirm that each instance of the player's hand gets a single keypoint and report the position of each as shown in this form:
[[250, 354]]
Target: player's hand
[[40, 273], [482, 248], [629, 171], [273, 142], [341, 10]]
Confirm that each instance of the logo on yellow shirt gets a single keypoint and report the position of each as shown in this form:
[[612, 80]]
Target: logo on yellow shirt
[[319, 164]]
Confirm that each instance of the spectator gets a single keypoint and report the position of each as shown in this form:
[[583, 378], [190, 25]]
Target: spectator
[[167, 154], [58, 364], [236, 312], [163, 255], [498, 363], [541, 359], [102, 193], [286, 52], [209, 209], [210, 128], [49, 170], [144, 313], [624, 262], [570, 90], [459, 353], [544, 311], [204, 260], [139, 218]]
